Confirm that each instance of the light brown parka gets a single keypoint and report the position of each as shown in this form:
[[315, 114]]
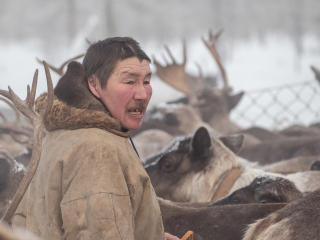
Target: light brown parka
[[90, 183]]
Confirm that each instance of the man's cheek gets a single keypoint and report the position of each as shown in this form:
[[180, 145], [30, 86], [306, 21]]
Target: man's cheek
[[149, 92]]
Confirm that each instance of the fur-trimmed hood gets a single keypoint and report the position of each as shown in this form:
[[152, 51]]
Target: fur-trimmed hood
[[74, 106], [62, 116]]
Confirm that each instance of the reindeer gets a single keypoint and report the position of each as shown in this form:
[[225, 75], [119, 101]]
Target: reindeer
[[212, 105], [214, 223], [289, 166], [26, 107], [16, 137], [282, 149], [204, 168], [263, 189], [298, 220]]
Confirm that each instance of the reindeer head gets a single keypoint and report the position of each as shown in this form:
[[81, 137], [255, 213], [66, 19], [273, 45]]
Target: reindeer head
[[189, 169]]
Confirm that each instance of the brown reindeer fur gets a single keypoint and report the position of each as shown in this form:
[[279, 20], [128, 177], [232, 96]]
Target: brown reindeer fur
[[298, 220], [289, 166], [274, 151], [150, 142], [216, 107], [155, 124], [315, 166], [177, 120], [181, 118], [262, 134], [300, 131], [216, 223], [263, 189]]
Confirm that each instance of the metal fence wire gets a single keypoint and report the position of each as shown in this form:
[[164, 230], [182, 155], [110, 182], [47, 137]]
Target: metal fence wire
[[279, 107]]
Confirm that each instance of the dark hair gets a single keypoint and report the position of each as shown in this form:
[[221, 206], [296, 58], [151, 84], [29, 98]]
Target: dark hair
[[102, 57]]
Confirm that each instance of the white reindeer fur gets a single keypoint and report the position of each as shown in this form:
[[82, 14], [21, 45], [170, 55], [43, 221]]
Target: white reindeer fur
[[205, 183]]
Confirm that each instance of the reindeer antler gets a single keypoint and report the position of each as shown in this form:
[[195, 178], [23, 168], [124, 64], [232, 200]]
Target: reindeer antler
[[27, 108], [18, 114], [211, 45], [316, 72], [60, 70], [174, 74], [15, 127], [88, 41], [199, 79]]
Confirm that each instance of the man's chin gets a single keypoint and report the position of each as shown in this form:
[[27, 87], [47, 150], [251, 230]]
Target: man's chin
[[132, 126]]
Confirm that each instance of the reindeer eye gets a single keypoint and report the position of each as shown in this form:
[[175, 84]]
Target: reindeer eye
[[166, 164], [235, 201]]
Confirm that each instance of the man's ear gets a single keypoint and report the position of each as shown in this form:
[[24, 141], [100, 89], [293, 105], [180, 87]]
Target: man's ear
[[93, 84]]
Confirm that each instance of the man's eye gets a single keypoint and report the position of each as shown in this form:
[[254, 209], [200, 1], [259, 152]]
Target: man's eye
[[146, 82], [130, 82]]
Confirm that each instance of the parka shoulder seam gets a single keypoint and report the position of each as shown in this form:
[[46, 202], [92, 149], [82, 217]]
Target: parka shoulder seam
[[120, 195]]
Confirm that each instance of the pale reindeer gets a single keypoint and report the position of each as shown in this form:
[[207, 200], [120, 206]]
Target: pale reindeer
[[213, 105], [202, 106]]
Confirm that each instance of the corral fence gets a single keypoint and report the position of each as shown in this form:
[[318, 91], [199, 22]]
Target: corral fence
[[279, 107]]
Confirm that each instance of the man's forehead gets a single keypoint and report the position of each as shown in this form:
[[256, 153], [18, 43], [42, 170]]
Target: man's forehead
[[133, 66]]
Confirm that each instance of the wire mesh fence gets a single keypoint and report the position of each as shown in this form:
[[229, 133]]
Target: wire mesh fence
[[279, 107]]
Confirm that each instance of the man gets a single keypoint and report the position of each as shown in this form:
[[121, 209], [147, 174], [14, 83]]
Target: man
[[90, 183]]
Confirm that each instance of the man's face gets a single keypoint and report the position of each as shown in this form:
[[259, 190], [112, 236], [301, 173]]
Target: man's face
[[128, 92]]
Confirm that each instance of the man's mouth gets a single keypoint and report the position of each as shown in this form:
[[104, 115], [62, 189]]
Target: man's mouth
[[136, 111]]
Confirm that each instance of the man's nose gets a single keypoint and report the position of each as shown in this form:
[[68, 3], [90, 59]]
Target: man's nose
[[140, 93]]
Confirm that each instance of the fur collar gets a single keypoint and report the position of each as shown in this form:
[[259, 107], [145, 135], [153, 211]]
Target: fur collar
[[63, 116]]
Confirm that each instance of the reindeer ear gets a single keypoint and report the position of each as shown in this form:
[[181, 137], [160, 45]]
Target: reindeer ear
[[201, 143], [233, 100], [233, 142], [5, 167]]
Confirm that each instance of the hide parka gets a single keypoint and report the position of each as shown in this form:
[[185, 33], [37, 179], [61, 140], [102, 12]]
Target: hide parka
[[90, 183]]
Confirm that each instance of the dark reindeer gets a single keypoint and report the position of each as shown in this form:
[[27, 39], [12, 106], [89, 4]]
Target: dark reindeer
[[263, 189], [298, 220], [214, 223]]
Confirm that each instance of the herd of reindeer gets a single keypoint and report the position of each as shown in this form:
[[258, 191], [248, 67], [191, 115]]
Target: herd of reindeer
[[211, 176]]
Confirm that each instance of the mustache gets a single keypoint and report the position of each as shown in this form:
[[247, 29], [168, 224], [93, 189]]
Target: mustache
[[141, 105]]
